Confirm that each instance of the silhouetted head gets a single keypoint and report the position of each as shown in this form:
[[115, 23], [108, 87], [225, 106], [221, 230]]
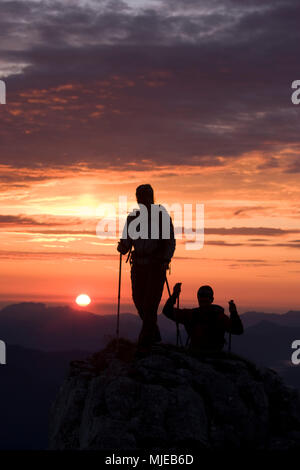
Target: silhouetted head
[[205, 296], [144, 194]]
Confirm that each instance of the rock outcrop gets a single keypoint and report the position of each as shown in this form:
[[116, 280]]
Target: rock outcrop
[[171, 400]]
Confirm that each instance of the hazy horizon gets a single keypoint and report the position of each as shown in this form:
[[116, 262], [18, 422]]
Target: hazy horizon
[[110, 308]]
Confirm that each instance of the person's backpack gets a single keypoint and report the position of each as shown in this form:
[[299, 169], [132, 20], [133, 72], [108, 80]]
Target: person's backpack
[[146, 250]]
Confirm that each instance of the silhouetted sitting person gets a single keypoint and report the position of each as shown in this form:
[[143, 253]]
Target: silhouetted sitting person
[[206, 325]]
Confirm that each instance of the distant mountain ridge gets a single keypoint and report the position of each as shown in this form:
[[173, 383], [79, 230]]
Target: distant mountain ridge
[[269, 344], [35, 325], [291, 318]]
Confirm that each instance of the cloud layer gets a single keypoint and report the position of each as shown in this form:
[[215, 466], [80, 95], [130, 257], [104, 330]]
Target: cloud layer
[[117, 86]]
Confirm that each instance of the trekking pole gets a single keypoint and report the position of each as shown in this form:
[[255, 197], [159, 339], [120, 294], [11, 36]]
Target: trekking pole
[[119, 296], [168, 287], [229, 337], [178, 336]]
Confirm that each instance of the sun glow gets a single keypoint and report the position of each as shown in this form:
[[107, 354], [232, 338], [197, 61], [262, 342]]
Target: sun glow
[[83, 300]]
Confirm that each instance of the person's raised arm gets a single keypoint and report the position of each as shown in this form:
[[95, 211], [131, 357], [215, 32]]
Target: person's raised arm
[[180, 315], [233, 324], [236, 325]]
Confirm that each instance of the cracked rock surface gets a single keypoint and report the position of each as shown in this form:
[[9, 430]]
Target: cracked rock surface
[[172, 400]]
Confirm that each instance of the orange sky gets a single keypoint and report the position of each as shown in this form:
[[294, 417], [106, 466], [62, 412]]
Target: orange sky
[[50, 251]]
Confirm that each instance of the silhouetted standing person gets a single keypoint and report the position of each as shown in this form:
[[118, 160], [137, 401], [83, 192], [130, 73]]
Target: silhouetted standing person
[[150, 258], [206, 325]]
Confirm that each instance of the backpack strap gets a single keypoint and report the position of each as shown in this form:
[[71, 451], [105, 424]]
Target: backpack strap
[[129, 256]]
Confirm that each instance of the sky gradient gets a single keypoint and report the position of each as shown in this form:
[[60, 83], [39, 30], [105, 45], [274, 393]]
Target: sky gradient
[[193, 97]]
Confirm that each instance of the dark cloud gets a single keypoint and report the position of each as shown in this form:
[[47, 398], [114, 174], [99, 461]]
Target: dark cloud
[[288, 245], [86, 233], [222, 243], [20, 220], [170, 88], [293, 165], [244, 210], [270, 162], [14, 179], [45, 255], [14, 222], [77, 226], [263, 231], [255, 245]]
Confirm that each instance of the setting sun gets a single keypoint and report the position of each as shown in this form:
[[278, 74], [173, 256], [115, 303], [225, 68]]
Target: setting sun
[[83, 300]]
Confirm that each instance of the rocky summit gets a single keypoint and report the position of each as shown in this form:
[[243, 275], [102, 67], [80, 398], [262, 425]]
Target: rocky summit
[[172, 400]]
